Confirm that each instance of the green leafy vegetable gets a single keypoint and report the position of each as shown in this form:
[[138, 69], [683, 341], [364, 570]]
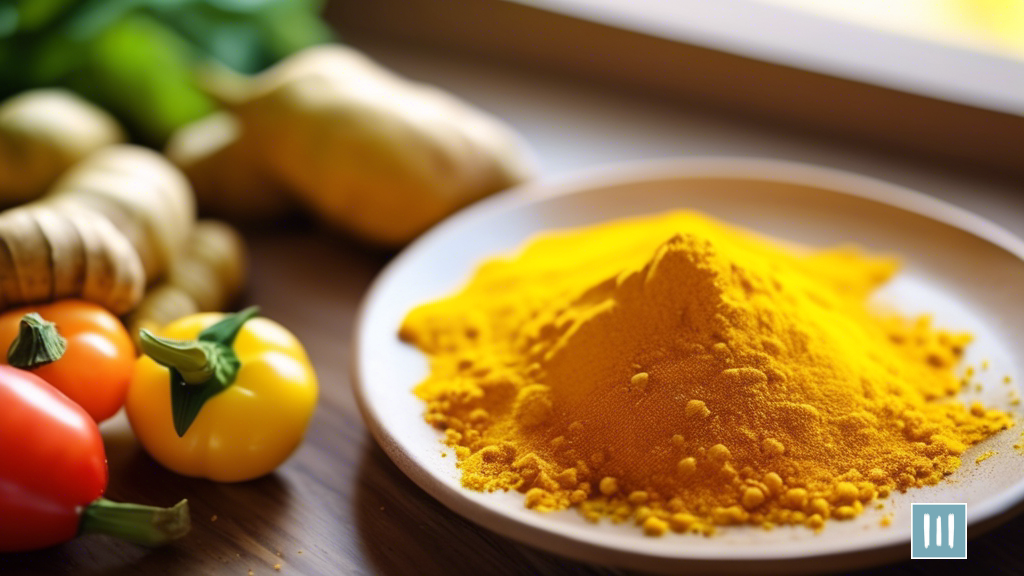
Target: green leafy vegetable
[[138, 58]]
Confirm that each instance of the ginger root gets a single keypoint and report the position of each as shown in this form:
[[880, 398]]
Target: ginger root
[[371, 152], [141, 193], [112, 223], [53, 252], [42, 133], [225, 171], [207, 276]]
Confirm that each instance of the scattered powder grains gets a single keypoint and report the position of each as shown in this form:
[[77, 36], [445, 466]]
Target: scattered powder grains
[[988, 454], [681, 374]]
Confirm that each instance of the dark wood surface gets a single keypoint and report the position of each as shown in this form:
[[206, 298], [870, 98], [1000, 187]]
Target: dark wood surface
[[339, 506]]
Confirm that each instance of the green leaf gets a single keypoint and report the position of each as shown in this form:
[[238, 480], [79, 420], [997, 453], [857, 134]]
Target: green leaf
[[225, 331], [95, 16], [188, 399], [143, 71], [35, 14], [248, 35], [137, 58], [9, 19]]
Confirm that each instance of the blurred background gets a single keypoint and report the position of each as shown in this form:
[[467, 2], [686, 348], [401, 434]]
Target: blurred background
[[939, 78]]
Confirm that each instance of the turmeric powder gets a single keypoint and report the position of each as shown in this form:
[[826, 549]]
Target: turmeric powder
[[683, 374]]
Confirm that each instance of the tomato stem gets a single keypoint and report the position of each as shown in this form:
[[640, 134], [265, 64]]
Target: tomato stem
[[196, 361], [200, 369], [145, 525], [38, 343]]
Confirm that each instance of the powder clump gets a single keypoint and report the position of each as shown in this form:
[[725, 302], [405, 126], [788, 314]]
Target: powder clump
[[685, 374]]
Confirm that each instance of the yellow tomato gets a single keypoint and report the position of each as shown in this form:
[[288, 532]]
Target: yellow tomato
[[243, 432]]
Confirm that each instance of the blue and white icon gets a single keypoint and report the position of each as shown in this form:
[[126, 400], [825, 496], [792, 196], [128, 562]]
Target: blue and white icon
[[938, 531]]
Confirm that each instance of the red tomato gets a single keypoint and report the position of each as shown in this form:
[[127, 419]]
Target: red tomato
[[53, 463], [97, 366]]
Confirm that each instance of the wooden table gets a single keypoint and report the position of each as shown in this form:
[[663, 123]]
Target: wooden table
[[339, 506]]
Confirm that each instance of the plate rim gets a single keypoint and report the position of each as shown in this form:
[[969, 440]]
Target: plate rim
[[834, 180]]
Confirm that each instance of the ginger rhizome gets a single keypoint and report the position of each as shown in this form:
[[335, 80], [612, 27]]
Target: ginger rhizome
[[111, 223]]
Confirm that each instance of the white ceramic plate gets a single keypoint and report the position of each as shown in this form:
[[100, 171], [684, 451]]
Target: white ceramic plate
[[964, 269]]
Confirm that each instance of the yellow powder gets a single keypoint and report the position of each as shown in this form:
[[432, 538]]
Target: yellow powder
[[988, 454], [685, 374]]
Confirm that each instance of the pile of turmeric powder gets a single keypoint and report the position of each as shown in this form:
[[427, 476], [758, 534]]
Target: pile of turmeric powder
[[684, 374]]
